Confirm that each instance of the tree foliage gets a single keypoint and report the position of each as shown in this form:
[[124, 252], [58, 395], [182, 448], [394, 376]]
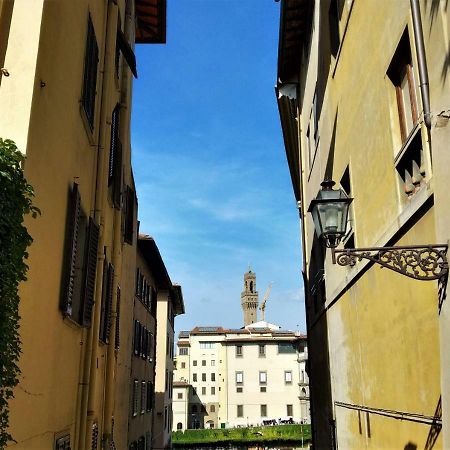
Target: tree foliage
[[16, 197]]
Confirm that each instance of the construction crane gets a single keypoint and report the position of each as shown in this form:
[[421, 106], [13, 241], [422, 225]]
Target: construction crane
[[262, 307]]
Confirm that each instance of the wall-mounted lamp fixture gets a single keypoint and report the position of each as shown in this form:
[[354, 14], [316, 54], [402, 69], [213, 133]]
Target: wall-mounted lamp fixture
[[330, 211]]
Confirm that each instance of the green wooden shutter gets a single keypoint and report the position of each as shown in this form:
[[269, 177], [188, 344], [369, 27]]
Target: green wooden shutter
[[117, 335], [90, 73], [90, 272], [71, 250]]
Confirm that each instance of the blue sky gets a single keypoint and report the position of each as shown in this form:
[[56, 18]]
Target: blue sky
[[209, 164]]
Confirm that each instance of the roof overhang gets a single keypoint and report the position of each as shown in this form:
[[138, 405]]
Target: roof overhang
[[287, 107], [295, 25], [149, 250], [177, 299], [151, 18]]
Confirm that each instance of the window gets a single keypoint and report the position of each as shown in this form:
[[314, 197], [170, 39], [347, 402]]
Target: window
[[213, 390], [349, 238], [333, 21], [194, 363], [401, 74], [179, 426], [203, 390], [63, 443], [238, 350], [141, 443], [180, 396], [203, 362], [90, 74], [213, 408], [203, 376], [262, 350], [240, 410], [286, 347], [289, 410], [213, 363], [183, 351], [263, 410], [115, 160], [194, 408], [287, 376], [262, 377], [106, 308], [213, 377], [207, 345], [143, 396], [80, 262], [117, 336], [239, 390], [194, 377], [262, 389], [183, 365], [130, 199], [135, 399], [150, 396], [94, 436], [239, 377]]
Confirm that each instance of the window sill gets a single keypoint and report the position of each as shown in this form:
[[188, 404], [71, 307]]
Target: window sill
[[408, 141]]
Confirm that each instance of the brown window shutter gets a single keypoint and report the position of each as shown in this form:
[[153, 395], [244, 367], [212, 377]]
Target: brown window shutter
[[90, 272], [115, 119], [105, 319], [109, 302], [117, 182], [129, 216], [90, 74], [117, 336], [71, 255]]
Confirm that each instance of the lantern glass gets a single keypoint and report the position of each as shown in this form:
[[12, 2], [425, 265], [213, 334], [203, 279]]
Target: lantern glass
[[330, 211]]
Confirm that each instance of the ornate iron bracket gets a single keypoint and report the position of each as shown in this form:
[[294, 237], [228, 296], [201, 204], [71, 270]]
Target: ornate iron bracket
[[428, 262]]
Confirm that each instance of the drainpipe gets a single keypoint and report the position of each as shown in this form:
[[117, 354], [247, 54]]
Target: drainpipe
[[421, 61], [124, 133], [100, 204]]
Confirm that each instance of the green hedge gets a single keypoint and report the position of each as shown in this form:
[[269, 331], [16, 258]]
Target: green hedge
[[277, 433]]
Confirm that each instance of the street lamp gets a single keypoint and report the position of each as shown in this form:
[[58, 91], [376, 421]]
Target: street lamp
[[422, 262], [330, 211]]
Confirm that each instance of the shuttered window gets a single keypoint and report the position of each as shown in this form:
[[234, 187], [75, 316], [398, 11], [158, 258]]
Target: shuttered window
[[80, 263], [115, 158], [117, 336], [136, 338], [149, 405], [129, 216], [135, 398], [63, 443], [94, 439], [73, 229], [105, 318], [90, 74], [143, 396], [90, 272]]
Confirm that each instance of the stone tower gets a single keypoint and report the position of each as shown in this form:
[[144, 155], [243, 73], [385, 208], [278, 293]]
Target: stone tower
[[249, 298]]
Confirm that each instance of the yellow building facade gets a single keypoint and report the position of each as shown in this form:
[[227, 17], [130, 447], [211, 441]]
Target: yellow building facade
[[355, 108], [65, 99]]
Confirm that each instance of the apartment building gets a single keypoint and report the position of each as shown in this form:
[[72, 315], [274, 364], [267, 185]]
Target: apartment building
[[240, 377], [65, 99], [169, 305], [362, 90]]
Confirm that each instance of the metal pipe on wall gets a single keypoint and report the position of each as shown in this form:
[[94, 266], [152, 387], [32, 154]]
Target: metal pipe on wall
[[421, 61]]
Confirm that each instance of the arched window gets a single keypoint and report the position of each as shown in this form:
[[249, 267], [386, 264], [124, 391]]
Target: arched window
[[213, 408], [251, 286], [179, 426]]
